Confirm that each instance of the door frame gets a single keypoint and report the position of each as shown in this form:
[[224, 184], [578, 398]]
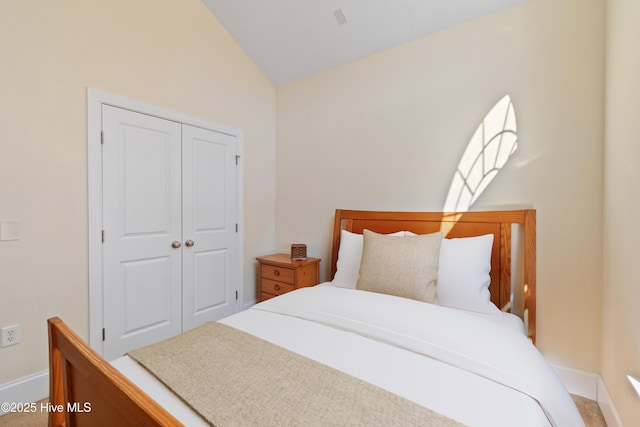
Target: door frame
[[95, 100]]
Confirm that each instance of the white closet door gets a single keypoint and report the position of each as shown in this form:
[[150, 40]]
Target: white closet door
[[141, 219], [209, 225]]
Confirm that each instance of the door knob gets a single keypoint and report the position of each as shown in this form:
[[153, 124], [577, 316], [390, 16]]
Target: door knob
[[175, 244], [189, 243]]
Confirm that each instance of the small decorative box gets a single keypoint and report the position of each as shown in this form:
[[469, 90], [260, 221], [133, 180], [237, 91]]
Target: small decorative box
[[299, 252]]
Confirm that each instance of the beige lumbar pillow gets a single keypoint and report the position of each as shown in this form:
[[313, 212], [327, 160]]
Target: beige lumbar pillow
[[401, 266]]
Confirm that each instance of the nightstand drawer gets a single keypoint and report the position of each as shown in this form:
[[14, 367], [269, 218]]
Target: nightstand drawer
[[280, 274], [276, 288]]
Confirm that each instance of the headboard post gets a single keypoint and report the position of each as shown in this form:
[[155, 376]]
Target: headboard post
[[530, 270], [56, 387]]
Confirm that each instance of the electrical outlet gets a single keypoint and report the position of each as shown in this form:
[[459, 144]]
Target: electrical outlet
[[10, 335]]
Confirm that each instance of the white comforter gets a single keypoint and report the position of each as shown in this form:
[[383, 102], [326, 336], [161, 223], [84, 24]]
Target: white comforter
[[463, 366]]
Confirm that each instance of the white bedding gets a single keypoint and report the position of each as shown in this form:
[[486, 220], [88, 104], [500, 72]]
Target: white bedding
[[381, 339]]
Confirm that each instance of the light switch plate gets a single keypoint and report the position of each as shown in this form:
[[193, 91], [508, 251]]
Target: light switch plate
[[9, 229]]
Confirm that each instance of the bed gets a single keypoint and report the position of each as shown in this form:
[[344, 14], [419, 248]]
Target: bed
[[345, 352]]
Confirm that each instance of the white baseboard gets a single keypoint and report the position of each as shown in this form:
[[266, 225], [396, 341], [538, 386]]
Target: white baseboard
[[581, 383], [591, 386], [26, 390], [607, 407]]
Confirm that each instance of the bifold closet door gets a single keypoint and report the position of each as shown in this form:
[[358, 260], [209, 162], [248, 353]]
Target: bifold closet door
[[170, 250]]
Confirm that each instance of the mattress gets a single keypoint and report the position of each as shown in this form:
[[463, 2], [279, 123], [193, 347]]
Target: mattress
[[379, 339]]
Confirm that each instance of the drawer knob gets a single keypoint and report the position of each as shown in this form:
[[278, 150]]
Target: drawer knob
[[276, 272], [276, 287]]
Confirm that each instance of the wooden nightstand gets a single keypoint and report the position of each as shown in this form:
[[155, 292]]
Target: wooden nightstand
[[278, 274]]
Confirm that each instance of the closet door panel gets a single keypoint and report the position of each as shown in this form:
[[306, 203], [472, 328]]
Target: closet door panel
[[209, 225], [142, 216]]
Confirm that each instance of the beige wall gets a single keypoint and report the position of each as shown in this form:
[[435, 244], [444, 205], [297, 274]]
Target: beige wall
[[621, 330], [387, 132], [171, 53]]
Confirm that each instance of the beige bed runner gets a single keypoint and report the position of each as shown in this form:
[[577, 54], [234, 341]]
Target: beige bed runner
[[232, 378]]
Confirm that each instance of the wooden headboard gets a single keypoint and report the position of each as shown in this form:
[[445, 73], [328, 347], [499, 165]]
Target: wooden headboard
[[498, 223]]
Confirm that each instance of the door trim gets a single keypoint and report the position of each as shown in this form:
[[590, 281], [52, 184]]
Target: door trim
[[95, 100]]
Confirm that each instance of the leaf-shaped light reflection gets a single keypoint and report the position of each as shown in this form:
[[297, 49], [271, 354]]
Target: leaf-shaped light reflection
[[491, 145]]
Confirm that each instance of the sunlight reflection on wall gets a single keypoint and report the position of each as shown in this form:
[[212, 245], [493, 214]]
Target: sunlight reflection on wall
[[493, 142]]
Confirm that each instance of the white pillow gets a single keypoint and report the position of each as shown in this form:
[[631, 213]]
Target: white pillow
[[349, 257], [463, 274]]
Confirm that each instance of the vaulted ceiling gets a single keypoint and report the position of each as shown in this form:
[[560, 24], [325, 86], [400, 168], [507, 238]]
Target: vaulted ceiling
[[291, 39]]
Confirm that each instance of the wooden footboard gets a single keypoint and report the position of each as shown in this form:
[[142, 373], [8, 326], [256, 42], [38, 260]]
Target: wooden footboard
[[84, 389]]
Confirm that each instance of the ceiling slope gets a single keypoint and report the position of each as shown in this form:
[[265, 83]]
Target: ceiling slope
[[291, 39]]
